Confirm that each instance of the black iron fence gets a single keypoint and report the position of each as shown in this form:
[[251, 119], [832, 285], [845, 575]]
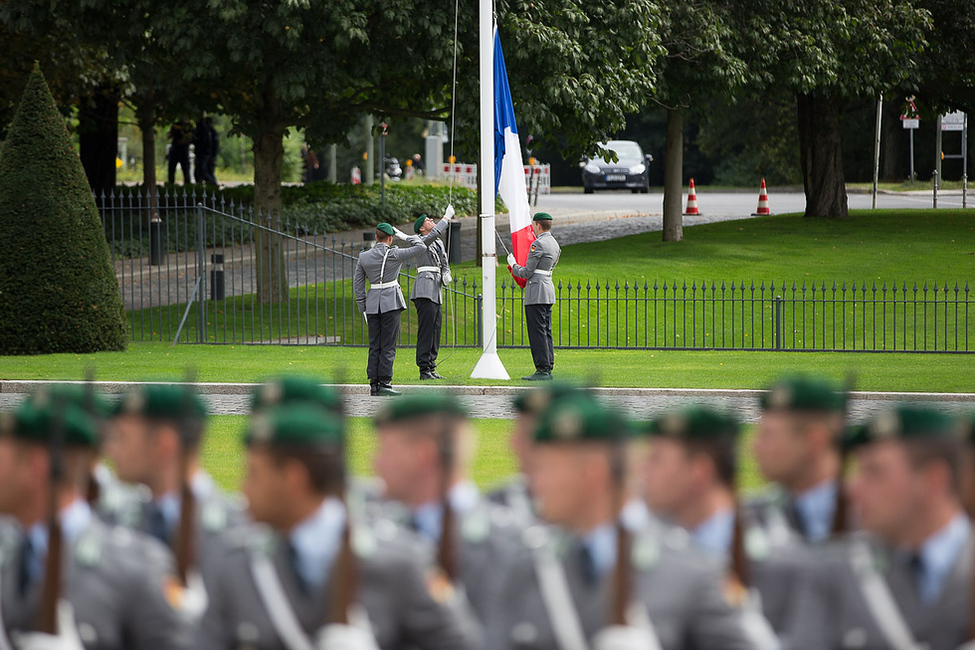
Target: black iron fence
[[196, 269]]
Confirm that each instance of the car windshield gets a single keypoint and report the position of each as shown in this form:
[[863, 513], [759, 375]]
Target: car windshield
[[625, 150]]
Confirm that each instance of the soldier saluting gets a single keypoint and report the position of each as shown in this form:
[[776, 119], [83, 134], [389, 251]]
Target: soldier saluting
[[539, 294], [383, 302], [432, 274]]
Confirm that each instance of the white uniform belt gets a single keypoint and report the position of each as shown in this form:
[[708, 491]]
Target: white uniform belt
[[542, 272], [383, 285], [431, 269]]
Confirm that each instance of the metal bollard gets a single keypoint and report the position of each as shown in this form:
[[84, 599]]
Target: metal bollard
[[934, 182], [157, 253], [217, 285], [964, 191]]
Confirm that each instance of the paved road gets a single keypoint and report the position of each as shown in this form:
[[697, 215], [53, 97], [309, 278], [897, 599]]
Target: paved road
[[736, 204], [495, 401]]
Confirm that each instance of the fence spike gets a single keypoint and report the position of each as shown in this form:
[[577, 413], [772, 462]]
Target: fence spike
[[655, 286], [626, 286], [617, 284]]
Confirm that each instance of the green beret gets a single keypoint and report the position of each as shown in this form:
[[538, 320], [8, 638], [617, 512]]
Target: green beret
[[580, 418], [803, 394], [534, 401], [294, 389], [697, 423], [420, 405], [542, 216], [296, 425], [83, 396], [162, 402], [905, 422], [386, 228], [419, 222], [36, 423]]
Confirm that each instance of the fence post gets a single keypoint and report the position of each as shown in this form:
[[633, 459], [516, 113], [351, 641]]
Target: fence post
[[778, 322], [201, 316]]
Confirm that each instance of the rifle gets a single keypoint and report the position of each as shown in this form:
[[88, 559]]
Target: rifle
[[189, 434], [620, 595], [447, 551], [47, 621], [345, 580], [841, 509], [740, 563], [93, 490]]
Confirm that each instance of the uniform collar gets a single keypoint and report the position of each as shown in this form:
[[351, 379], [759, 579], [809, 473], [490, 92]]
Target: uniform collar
[[316, 540], [939, 553], [74, 520], [714, 535], [170, 503], [816, 507], [428, 517]]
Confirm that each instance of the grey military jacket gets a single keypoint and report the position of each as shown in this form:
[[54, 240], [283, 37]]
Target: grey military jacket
[[679, 589], [370, 266], [429, 281], [391, 589], [832, 613], [490, 538], [119, 583], [128, 506], [514, 495], [542, 256]]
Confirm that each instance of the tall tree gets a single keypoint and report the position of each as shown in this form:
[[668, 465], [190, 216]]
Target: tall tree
[[827, 53]]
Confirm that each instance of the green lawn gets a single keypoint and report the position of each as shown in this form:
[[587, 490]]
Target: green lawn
[[223, 454], [705, 369]]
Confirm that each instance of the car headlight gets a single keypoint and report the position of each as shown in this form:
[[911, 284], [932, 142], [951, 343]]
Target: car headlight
[[592, 168], [638, 169]]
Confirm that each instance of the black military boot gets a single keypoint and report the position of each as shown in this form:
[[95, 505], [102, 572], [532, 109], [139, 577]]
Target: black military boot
[[386, 388], [373, 387], [429, 373], [540, 375]]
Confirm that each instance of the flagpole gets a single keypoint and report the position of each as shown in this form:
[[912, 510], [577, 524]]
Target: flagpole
[[489, 366]]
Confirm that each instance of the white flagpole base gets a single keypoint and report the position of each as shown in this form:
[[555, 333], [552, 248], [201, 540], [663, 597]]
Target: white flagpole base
[[489, 366]]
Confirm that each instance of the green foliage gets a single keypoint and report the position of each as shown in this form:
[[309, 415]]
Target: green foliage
[[57, 282]]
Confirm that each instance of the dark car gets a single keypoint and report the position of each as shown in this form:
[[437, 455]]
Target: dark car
[[630, 172]]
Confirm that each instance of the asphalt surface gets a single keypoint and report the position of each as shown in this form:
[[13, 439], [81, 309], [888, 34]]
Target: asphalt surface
[[495, 401]]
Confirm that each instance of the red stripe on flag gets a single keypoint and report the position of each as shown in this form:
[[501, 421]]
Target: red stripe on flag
[[521, 241]]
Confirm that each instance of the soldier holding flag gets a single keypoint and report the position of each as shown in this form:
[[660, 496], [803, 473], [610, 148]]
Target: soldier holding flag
[[432, 274]]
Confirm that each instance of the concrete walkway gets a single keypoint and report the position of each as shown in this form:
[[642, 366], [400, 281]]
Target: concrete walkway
[[495, 401]]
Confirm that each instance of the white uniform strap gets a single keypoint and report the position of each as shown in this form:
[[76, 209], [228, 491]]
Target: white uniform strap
[[4, 640], [542, 272], [383, 285], [879, 600], [276, 603], [636, 616], [558, 600], [382, 270], [425, 269]]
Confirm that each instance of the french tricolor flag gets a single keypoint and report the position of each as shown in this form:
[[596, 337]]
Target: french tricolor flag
[[509, 170]]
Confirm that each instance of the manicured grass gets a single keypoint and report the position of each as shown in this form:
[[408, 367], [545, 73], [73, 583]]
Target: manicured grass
[[223, 453], [639, 368], [872, 246]]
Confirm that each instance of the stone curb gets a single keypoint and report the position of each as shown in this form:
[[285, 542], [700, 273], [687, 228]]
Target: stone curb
[[20, 386]]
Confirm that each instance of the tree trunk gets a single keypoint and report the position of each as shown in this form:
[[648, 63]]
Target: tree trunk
[[272, 276], [146, 116], [674, 177], [821, 156], [98, 138], [894, 156]]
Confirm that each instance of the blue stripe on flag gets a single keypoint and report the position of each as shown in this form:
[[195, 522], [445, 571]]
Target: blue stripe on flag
[[504, 110]]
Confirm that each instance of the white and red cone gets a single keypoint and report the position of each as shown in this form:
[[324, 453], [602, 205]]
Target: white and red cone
[[763, 208], [691, 208]]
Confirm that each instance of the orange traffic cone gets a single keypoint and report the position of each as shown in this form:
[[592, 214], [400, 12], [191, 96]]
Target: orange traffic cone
[[763, 208], [691, 201]]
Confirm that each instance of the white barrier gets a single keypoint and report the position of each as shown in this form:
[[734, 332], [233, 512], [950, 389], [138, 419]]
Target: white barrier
[[466, 175]]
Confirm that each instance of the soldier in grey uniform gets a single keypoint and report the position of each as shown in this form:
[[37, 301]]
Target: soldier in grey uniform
[[560, 591], [906, 580], [117, 588], [382, 303], [690, 478], [154, 444], [797, 450], [432, 274], [539, 294], [418, 435], [278, 587]]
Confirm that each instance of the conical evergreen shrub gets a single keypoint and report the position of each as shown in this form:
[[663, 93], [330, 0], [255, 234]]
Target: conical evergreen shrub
[[58, 291]]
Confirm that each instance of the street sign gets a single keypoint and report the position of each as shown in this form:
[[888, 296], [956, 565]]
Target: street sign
[[953, 121], [910, 122]]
